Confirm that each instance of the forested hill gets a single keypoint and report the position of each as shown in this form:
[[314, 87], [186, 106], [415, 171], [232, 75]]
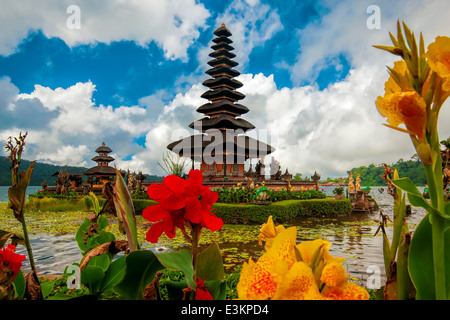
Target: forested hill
[[41, 172], [372, 175]]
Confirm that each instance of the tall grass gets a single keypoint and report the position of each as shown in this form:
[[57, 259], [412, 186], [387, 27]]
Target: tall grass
[[56, 205]]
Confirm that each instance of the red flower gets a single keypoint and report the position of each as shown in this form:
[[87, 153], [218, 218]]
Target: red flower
[[11, 260], [180, 201], [202, 293]]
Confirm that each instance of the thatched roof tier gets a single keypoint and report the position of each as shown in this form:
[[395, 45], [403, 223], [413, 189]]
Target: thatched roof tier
[[101, 171], [222, 106], [222, 122]]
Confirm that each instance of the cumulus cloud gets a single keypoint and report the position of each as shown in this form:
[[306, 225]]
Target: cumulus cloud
[[343, 31], [173, 25], [251, 24]]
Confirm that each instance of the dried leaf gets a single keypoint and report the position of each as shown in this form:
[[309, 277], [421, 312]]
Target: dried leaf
[[33, 289], [112, 247], [16, 194]]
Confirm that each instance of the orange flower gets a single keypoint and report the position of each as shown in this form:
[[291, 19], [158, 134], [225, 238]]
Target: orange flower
[[257, 280], [268, 232], [287, 271], [404, 107], [438, 56]]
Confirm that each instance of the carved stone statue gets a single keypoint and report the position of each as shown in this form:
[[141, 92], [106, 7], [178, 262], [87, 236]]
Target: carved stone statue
[[351, 187], [358, 182], [287, 176], [260, 169], [62, 181]]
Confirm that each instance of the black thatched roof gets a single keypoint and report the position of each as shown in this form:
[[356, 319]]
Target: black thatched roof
[[100, 170], [238, 145], [70, 173]]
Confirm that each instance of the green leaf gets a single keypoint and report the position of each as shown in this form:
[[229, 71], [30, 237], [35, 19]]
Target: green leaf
[[210, 264], [404, 285], [175, 290], [114, 274], [179, 260], [92, 277], [406, 185], [125, 210], [415, 197], [95, 239], [141, 267], [47, 288], [421, 260], [95, 202], [217, 289], [19, 284], [102, 261]]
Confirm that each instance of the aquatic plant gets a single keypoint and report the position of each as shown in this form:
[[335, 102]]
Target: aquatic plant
[[417, 87]]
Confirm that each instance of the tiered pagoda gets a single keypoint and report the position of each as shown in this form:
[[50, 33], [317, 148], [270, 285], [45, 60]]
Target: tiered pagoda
[[222, 146], [102, 171]]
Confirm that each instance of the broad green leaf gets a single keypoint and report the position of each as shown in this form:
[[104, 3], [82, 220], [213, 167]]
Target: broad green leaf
[[102, 261], [217, 289], [114, 274], [421, 260], [175, 290], [47, 288], [210, 264], [86, 243], [407, 185], [92, 277], [141, 267], [19, 284], [179, 260], [415, 197]]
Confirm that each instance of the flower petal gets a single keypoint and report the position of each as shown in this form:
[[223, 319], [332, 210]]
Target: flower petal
[[158, 192], [193, 211], [155, 213], [174, 183]]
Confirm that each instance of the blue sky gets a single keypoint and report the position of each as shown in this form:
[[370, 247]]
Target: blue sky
[[131, 76]]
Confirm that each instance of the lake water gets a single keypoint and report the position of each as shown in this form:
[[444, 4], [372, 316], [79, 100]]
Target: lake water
[[4, 192], [351, 237]]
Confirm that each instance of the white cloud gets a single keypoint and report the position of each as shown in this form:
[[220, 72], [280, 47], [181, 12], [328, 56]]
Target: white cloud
[[173, 24], [343, 30], [251, 24]]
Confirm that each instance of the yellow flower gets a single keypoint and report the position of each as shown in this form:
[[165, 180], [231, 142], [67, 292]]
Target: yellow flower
[[296, 283], [391, 86], [308, 248], [333, 274], [438, 56], [287, 271], [257, 280], [347, 291], [268, 232], [404, 107]]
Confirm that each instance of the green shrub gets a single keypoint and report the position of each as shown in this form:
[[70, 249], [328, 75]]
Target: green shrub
[[242, 195], [141, 204], [282, 212]]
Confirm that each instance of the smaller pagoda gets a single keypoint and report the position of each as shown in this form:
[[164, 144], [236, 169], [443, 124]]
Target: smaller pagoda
[[102, 171]]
